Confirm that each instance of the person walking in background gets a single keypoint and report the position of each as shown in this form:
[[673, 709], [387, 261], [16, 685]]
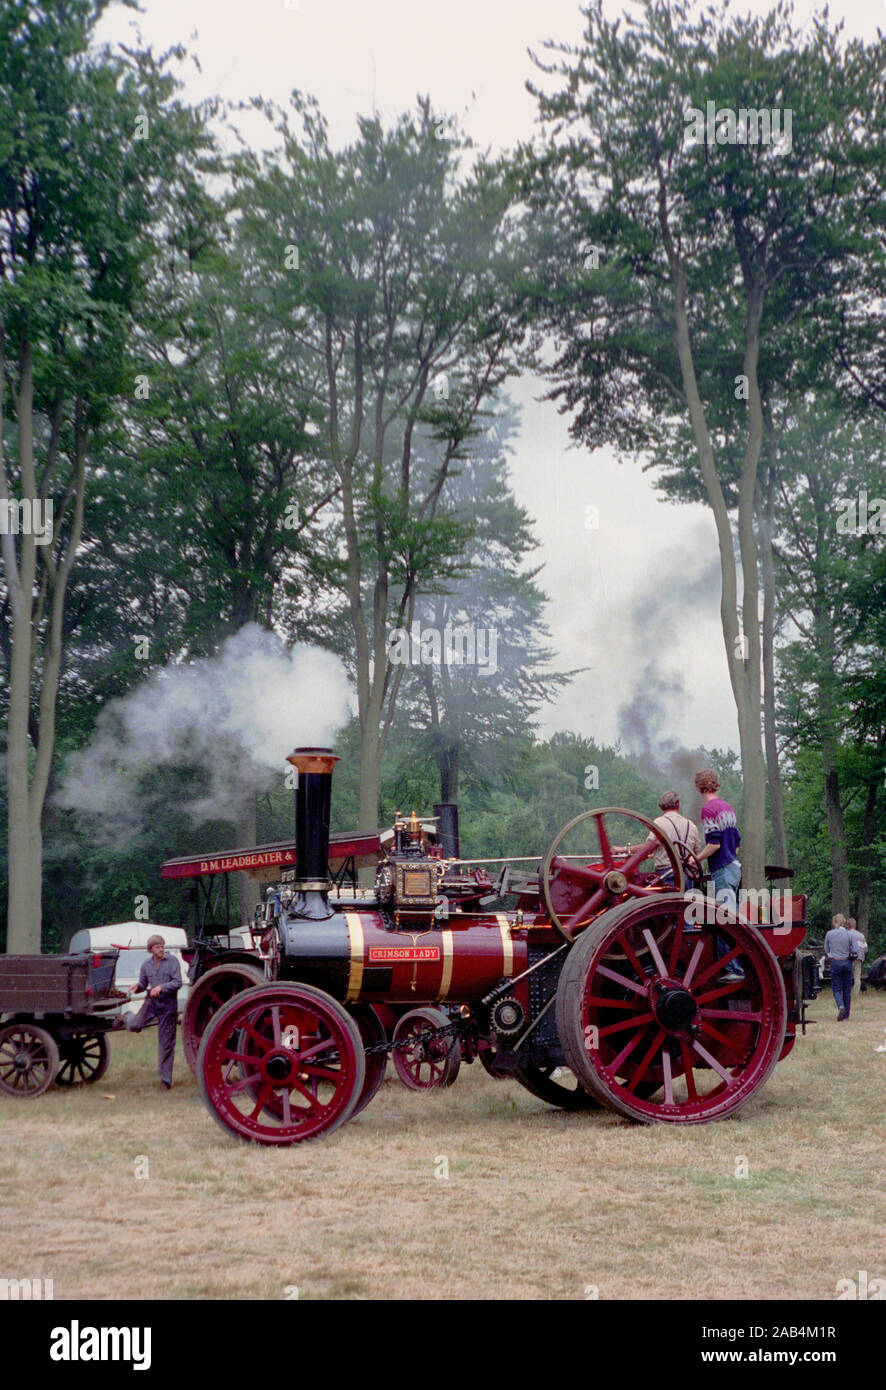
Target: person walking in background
[[161, 978], [839, 949], [719, 826], [860, 946]]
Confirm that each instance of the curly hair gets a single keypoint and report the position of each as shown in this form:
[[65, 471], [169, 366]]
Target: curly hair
[[707, 780]]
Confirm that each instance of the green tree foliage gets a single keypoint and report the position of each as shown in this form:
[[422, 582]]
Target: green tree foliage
[[93, 147], [388, 268], [473, 700], [673, 247]]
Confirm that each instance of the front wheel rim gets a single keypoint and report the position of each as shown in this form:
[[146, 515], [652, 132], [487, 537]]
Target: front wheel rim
[[281, 1065]]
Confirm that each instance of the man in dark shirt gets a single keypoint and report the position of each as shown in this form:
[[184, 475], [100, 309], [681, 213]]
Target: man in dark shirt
[[161, 978]]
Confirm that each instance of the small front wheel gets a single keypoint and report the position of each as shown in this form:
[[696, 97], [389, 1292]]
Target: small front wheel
[[423, 1058]]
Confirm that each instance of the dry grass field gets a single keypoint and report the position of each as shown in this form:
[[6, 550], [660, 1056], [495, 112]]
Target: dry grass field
[[537, 1204]]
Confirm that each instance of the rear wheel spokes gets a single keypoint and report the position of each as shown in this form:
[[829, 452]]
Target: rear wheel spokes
[[659, 1036]]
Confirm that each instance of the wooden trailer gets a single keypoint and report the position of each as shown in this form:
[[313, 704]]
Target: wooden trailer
[[55, 1013]]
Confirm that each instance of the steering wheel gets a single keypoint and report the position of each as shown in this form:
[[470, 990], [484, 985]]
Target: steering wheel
[[574, 893], [692, 863]]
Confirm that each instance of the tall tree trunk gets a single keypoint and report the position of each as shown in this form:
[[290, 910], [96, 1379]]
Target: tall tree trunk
[[773, 771], [869, 825], [24, 911], [836, 827], [370, 785], [742, 648], [448, 763]]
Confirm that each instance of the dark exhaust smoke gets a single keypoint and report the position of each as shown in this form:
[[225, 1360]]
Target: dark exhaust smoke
[[447, 829]]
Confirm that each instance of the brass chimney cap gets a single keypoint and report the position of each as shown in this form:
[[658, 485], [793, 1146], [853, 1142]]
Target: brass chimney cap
[[313, 759]]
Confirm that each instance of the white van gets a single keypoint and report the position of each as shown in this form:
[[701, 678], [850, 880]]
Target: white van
[[131, 938]]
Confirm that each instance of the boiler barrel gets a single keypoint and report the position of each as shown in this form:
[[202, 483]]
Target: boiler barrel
[[354, 957]]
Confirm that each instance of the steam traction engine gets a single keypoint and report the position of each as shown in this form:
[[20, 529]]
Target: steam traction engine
[[600, 987]]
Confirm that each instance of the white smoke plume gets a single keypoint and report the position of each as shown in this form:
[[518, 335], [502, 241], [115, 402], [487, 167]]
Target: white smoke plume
[[235, 715]]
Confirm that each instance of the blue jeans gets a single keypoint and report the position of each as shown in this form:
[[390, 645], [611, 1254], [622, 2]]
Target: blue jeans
[[841, 983], [726, 881]]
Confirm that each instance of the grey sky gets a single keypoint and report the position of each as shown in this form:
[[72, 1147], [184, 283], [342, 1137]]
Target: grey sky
[[471, 58]]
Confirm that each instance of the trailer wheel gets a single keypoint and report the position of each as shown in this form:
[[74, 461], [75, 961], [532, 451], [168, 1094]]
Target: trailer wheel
[[82, 1059], [28, 1060]]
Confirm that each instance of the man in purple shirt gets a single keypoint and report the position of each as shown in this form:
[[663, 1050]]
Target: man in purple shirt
[[720, 829]]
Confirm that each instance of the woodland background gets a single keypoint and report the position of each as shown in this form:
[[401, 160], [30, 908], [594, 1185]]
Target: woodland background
[[271, 393]]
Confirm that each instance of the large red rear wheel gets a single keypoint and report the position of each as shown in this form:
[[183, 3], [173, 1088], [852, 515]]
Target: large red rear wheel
[[281, 1065], [653, 1022]]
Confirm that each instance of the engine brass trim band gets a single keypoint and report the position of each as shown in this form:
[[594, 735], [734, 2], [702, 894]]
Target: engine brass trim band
[[507, 945], [355, 974], [446, 942], [320, 760]]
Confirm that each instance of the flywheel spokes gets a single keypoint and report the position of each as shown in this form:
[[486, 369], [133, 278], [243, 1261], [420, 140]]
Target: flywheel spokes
[[589, 866]]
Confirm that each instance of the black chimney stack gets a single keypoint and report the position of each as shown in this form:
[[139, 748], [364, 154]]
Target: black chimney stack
[[312, 798], [447, 829]]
